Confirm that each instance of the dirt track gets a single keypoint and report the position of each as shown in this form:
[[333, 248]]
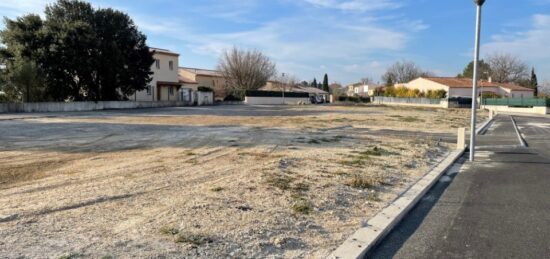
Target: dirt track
[[229, 181]]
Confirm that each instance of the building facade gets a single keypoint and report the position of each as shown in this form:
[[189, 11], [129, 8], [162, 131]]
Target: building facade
[[462, 87], [165, 85], [195, 77], [360, 89]]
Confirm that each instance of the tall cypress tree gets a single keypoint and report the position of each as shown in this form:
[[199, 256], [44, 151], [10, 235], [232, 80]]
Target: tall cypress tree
[[534, 82], [325, 83], [314, 83]]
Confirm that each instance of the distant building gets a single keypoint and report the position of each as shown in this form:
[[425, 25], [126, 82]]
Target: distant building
[[165, 84], [361, 89], [172, 83], [195, 77], [462, 87]]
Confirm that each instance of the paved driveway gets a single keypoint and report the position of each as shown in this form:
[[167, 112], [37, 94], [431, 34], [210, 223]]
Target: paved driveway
[[496, 207]]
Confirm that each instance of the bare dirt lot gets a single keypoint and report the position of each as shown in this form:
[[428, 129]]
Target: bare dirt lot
[[225, 181]]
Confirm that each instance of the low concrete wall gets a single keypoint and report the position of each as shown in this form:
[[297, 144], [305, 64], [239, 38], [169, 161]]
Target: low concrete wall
[[416, 102], [82, 106], [533, 110], [275, 100], [205, 98]]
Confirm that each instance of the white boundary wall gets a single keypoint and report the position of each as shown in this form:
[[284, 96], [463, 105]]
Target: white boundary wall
[[533, 110], [417, 102], [275, 100], [83, 106]]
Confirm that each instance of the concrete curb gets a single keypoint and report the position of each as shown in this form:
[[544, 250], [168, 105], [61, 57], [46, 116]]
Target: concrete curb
[[380, 225], [481, 130], [520, 137]]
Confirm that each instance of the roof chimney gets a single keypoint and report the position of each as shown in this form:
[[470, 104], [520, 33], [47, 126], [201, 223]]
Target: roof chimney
[[490, 79]]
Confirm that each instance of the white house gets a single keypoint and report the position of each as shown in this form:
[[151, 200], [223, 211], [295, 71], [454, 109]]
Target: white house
[[165, 85], [361, 89], [462, 87]]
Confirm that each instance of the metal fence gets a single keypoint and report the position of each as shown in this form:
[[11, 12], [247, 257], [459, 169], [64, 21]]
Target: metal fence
[[518, 102]]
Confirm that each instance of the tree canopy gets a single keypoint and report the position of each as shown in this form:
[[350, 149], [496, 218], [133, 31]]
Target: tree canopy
[[534, 82], [484, 70], [325, 83], [80, 53], [314, 83]]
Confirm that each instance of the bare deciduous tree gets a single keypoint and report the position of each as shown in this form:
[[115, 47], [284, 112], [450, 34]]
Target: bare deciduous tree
[[506, 68], [403, 72], [285, 82], [245, 70], [366, 80], [544, 89]]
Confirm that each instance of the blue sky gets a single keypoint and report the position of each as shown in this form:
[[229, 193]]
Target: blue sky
[[348, 39]]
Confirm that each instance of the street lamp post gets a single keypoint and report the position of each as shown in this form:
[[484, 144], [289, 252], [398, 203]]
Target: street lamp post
[[479, 4], [283, 87]]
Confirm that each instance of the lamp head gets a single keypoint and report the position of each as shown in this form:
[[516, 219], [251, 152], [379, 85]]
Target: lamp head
[[479, 2]]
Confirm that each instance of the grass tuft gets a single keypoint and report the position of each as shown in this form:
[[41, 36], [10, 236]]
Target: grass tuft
[[193, 239], [71, 256], [302, 206], [280, 181], [363, 182], [169, 231], [217, 189]]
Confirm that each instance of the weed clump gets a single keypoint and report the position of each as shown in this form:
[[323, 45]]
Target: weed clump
[[217, 189], [280, 181], [169, 231], [193, 239], [363, 182], [302, 206]]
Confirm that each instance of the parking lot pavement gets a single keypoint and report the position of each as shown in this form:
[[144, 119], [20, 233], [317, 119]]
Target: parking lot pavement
[[496, 207]]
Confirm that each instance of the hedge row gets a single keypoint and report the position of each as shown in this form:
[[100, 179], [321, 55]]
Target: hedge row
[[354, 99]]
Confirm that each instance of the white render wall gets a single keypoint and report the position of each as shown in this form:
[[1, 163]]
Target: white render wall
[[82, 106], [275, 100], [505, 109]]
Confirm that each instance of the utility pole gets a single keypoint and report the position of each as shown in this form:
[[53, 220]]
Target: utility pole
[[479, 4]]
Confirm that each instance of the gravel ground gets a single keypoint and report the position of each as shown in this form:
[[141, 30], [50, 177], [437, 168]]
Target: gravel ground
[[227, 181]]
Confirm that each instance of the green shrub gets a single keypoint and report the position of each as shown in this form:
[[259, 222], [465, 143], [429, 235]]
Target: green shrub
[[204, 89]]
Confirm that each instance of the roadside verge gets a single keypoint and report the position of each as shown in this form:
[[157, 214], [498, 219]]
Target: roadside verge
[[378, 227], [383, 223]]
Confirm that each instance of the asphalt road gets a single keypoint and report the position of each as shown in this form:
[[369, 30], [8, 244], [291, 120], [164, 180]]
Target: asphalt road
[[496, 207]]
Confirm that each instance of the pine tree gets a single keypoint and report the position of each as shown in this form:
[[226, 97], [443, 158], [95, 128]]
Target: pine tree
[[325, 84], [534, 82], [314, 83]]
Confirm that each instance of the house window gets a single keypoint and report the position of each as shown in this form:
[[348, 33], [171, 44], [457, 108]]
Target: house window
[[171, 90], [148, 90], [171, 65], [157, 63]]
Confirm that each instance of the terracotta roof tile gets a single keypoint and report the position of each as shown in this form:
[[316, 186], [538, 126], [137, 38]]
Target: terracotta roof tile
[[454, 82], [203, 72]]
